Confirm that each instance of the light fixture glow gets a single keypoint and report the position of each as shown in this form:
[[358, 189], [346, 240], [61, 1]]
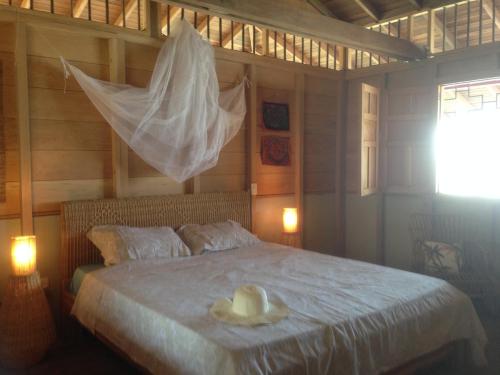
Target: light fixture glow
[[23, 254], [290, 220]]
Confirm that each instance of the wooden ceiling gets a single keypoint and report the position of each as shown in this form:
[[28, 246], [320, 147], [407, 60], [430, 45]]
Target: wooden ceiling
[[367, 12]]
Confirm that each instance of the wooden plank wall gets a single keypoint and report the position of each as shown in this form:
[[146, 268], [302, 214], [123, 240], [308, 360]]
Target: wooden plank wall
[[71, 144], [70, 141], [320, 107], [11, 206]]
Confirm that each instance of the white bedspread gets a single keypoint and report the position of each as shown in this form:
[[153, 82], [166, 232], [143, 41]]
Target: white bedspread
[[346, 317]]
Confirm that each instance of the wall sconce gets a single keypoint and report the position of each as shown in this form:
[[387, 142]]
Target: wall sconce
[[23, 253], [290, 222]]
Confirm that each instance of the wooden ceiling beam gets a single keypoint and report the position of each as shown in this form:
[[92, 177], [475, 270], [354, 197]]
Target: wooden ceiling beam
[[281, 16], [322, 8], [369, 9], [417, 4], [79, 7]]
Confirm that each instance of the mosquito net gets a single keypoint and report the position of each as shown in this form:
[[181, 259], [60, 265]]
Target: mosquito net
[[180, 122]]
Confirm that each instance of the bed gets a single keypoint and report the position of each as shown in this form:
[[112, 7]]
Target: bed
[[346, 317]]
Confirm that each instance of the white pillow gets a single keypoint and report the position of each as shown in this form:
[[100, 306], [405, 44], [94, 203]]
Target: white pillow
[[118, 243], [215, 237]]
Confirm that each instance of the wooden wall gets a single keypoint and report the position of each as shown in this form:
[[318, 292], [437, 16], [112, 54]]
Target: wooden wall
[[408, 120], [72, 148], [70, 141], [8, 114]]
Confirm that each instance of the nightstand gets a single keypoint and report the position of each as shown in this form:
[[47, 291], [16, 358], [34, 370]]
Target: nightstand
[[290, 239]]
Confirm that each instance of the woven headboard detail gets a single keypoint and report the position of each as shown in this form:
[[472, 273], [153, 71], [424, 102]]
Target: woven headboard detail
[[78, 217]]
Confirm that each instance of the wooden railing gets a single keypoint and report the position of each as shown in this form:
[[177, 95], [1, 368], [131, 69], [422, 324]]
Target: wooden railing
[[123, 13], [460, 25], [248, 38], [463, 24]]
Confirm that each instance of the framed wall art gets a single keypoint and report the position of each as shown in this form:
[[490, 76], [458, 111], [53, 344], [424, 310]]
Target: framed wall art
[[275, 116]]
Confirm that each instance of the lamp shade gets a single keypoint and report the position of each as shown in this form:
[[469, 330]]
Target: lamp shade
[[290, 220], [23, 253]]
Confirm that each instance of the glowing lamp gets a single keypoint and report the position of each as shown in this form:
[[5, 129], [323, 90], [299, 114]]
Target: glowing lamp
[[23, 252], [290, 220]]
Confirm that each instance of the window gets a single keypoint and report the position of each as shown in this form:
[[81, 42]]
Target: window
[[468, 139]]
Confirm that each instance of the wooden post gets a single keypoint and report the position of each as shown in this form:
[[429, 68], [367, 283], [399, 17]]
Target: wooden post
[[340, 140], [430, 30], [251, 124], [298, 132], [23, 122], [152, 18], [119, 148]]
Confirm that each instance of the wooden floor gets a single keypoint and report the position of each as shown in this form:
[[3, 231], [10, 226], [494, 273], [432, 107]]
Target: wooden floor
[[90, 357]]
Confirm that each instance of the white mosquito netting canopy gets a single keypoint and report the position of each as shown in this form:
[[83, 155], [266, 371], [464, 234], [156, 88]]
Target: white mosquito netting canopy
[[180, 122]]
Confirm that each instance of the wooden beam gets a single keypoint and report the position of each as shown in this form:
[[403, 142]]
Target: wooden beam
[[488, 8], [417, 4], [153, 19], [202, 25], [298, 133], [288, 48], [130, 6], [175, 14], [369, 9], [79, 7], [338, 230], [251, 136], [23, 123], [283, 17], [119, 149], [226, 40], [322, 8]]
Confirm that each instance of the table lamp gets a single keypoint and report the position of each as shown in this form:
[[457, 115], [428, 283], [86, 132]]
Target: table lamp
[[26, 326], [290, 226]]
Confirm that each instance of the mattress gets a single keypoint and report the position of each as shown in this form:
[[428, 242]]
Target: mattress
[[346, 316], [79, 275]]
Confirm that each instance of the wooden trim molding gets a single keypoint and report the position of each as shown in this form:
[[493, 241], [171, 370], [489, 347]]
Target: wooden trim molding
[[119, 148], [23, 121], [299, 152], [251, 139]]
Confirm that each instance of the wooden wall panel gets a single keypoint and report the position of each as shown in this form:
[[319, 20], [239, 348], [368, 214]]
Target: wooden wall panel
[[70, 140], [70, 135], [7, 41], [48, 195], [139, 56], [319, 134], [47, 72], [9, 194], [74, 46], [275, 180], [410, 121], [50, 104], [71, 165]]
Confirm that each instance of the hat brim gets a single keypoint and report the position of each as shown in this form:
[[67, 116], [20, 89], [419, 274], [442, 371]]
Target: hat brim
[[222, 310]]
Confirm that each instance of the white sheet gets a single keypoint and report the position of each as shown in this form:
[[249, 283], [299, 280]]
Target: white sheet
[[346, 317]]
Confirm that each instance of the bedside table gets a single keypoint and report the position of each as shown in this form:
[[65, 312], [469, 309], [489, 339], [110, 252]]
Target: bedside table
[[290, 239], [26, 327]]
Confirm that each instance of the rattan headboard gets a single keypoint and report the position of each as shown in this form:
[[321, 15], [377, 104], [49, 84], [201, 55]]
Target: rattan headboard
[[77, 217]]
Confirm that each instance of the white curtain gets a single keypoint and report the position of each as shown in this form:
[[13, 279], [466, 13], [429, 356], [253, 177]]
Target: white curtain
[[180, 122]]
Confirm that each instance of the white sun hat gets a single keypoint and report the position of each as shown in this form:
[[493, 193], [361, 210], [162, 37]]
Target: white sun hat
[[249, 307]]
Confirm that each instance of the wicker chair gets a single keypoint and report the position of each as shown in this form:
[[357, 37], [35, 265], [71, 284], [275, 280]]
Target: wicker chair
[[475, 276]]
